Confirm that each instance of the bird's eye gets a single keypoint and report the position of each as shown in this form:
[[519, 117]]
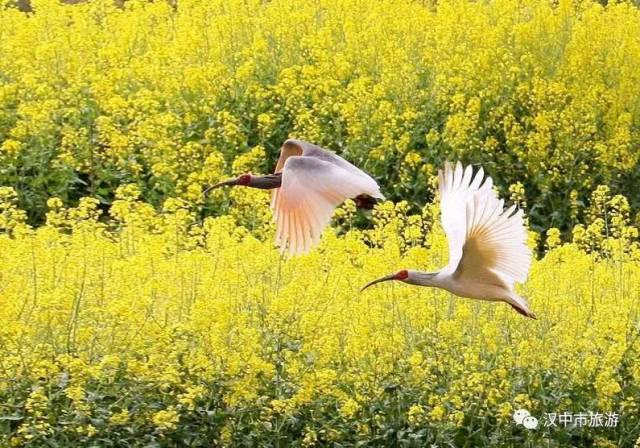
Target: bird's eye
[[402, 275]]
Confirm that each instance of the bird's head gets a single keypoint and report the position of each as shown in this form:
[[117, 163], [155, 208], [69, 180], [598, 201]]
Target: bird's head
[[407, 276], [243, 179], [400, 275]]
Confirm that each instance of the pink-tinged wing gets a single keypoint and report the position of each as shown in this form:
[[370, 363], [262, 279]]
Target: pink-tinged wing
[[495, 250], [311, 189], [288, 149], [457, 186]]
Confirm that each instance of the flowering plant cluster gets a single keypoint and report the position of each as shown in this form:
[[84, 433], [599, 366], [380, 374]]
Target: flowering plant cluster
[[137, 311], [153, 328], [175, 95]]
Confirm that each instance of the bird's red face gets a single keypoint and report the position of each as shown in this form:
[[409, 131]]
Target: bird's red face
[[244, 179], [400, 275]]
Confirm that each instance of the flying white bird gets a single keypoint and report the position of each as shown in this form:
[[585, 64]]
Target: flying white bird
[[488, 253], [309, 182]]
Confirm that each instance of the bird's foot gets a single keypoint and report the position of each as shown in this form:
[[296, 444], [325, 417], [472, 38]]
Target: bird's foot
[[365, 202], [523, 312]]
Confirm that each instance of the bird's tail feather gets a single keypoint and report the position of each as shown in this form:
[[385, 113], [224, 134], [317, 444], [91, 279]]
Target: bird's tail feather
[[520, 305]]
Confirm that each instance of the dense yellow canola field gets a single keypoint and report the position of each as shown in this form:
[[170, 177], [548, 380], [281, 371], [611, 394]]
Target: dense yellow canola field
[[151, 327], [157, 329], [543, 94]]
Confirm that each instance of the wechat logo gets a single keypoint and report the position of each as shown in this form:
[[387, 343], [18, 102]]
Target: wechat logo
[[524, 418]]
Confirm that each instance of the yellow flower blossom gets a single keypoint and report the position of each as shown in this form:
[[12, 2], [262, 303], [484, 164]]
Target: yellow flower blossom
[[133, 306], [165, 420]]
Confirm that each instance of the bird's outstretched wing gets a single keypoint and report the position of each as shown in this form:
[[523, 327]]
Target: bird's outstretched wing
[[495, 247], [293, 147], [289, 148], [311, 189], [457, 186]]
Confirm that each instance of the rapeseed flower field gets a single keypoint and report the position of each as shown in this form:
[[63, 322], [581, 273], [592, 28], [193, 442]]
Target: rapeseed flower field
[[136, 311], [155, 329], [546, 95]]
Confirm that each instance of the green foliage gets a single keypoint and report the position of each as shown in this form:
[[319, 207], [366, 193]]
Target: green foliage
[[168, 97]]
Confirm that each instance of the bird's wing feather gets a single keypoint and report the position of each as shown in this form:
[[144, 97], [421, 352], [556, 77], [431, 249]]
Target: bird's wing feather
[[300, 147], [289, 148], [457, 186], [294, 147], [317, 152], [495, 249], [311, 189]]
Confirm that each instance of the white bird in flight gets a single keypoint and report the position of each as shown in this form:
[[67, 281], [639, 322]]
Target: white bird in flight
[[488, 253], [309, 182]]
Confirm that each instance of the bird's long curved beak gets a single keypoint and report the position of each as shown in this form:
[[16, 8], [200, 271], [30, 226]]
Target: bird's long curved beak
[[220, 184], [381, 279]]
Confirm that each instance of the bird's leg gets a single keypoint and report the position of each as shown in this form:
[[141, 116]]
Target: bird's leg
[[365, 202]]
